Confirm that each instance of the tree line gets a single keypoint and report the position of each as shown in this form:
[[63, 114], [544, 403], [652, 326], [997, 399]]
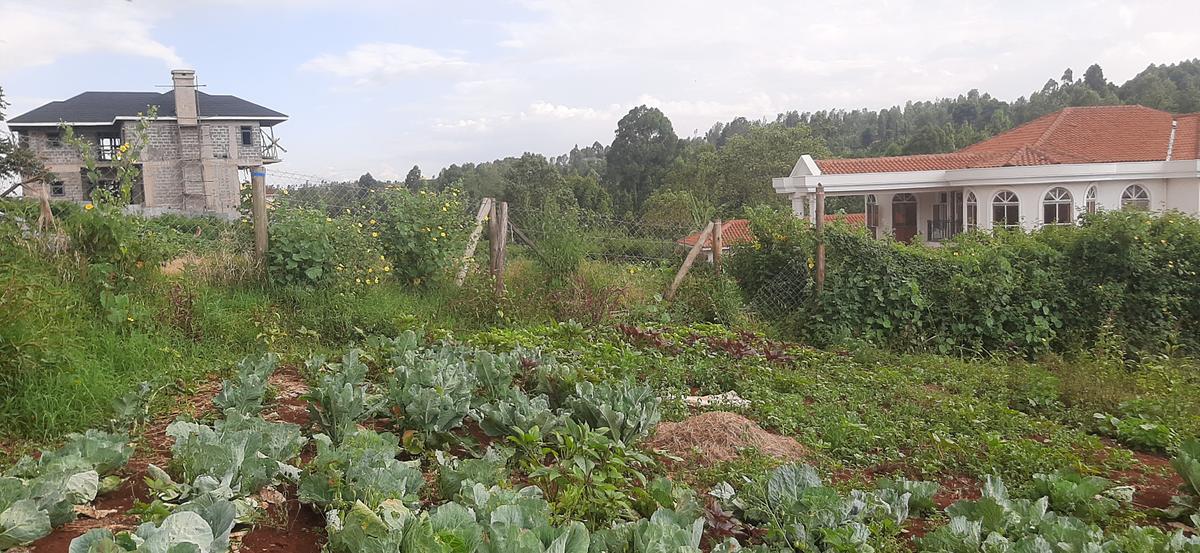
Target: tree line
[[649, 172]]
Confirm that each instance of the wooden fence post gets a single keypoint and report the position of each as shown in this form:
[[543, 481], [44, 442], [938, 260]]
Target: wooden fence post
[[718, 244], [820, 209], [502, 247], [691, 258], [258, 210], [484, 207]]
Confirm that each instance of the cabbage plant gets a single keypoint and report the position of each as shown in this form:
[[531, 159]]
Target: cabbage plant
[[246, 391], [628, 411], [197, 528], [362, 469]]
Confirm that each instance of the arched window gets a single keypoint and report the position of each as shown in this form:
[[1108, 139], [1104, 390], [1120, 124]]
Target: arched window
[[1057, 208], [904, 198], [1089, 200], [972, 211], [1006, 210], [872, 212], [1135, 197]]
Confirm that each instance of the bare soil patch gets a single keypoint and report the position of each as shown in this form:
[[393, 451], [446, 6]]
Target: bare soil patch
[[718, 436]]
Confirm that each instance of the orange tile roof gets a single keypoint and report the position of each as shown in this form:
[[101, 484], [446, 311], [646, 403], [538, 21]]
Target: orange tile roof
[[1095, 134], [737, 231]]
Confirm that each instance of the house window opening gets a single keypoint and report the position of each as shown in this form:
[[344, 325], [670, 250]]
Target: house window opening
[[1057, 207], [53, 140], [247, 135], [58, 189], [1089, 200], [872, 212], [1135, 197], [972, 211], [1006, 210], [110, 144]]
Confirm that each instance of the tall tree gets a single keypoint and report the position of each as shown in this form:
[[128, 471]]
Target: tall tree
[[1094, 79], [749, 161], [413, 179], [643, 150], [533, 189], [367, 181]]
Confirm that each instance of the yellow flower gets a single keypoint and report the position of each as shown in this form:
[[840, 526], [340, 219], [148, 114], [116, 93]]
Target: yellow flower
[[374, 235], [370, 270], [358, 281], [387, 269], [89, 206], [381, 258], [328, 219], [372, 221]]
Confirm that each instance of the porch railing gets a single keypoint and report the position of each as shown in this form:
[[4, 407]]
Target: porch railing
[[942, 230]]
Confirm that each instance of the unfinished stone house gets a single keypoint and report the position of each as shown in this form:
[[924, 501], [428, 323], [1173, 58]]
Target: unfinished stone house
[[194, 154]]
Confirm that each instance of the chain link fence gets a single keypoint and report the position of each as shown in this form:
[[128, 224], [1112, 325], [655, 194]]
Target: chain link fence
[[603, 237]]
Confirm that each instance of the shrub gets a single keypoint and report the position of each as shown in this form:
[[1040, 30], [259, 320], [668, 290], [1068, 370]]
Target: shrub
[[1131, 275], [309, 249], [421, 233]]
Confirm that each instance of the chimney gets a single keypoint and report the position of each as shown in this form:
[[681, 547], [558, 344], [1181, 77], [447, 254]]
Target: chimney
[[184, 81]]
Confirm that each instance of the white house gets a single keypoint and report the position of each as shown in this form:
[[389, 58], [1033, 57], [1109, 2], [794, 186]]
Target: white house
[[1047, 171]]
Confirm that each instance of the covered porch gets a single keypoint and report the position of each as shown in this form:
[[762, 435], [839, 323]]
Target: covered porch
[[931, 216]]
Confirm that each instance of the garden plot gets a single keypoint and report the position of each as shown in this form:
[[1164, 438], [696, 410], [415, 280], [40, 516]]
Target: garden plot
[[564, 439]]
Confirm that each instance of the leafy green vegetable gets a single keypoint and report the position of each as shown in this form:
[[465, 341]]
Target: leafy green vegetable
[[240, 454], [628, 411], [800, 512], [202, 528], [245, 393], [515, 414], [22, 522], [341, 400], [921, 494], [1089, 498], [454, 473], [431, 392], [1187, 464], [362, 469]]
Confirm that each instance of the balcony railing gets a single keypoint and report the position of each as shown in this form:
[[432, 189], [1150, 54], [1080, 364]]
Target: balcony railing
[[942, 230], [270, 145]]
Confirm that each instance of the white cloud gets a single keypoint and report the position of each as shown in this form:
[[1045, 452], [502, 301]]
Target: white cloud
[[39, 33], [382, 61]]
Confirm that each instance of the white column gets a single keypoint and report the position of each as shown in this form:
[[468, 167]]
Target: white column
[[798, 205], [812, 211], [884, 202]]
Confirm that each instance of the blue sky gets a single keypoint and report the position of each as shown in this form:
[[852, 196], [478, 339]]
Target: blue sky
[[380, 86]]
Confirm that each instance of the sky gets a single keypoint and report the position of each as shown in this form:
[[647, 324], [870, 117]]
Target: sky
[[378, 86]]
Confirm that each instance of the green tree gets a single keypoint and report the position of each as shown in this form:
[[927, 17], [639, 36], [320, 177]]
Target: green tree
[[677, 208], [413, 179], [1094, 79], [534, 189], [589, 195], [642, 152], [17, 160], [367, 181], [749, 161]]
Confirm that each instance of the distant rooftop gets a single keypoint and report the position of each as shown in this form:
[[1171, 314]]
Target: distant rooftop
[[1096, 134], [104, 108]]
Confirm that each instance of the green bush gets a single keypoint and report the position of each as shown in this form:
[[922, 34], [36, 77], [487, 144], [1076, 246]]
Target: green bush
[[309, 249], [422, 233], [1127, 274]]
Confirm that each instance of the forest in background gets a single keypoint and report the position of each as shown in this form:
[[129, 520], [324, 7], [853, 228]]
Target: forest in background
[[648, 172]]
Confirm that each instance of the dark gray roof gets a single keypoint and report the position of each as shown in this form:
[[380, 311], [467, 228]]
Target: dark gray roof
[[105, 107]]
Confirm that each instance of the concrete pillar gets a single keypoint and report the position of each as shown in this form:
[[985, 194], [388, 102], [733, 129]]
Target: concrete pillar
[[798, 205]]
